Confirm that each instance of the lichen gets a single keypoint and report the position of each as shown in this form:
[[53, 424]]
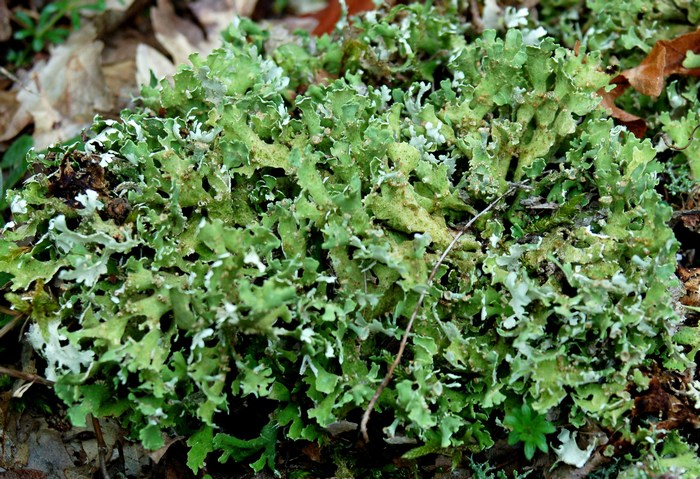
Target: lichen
[[277, 231]]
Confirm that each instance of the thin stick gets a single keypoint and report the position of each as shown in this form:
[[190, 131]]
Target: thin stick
[[26, 376], [690, 140], [404, 339], [677, 214], [101, 447], [6, 73], [8, 311], [8, 327]]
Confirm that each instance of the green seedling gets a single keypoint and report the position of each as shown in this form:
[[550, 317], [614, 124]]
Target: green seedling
[[46, 28], [530, 428]]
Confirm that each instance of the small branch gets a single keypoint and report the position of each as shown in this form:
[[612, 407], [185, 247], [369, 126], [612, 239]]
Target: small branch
[[6, 73], [8, 311], [690, 140], [122, 461], [404, 339], [101, 447], [8, 327], [677, 214], [26, 376]]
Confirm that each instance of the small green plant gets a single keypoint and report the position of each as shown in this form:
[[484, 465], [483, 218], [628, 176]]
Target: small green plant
[[40, 30], [530, 428], [203, 442]]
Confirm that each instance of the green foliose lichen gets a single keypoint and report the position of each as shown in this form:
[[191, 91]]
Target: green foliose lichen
[[257, 234]]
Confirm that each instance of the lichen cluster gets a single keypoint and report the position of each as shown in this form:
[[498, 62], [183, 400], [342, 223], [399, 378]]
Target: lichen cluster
[[263, 226]]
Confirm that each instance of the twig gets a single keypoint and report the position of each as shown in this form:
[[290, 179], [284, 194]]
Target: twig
[[122, 461], [677, 214], [6, 73], [690, 140], [404, 339], [101, 447], [8, 327], [26, 376], [8, 311]]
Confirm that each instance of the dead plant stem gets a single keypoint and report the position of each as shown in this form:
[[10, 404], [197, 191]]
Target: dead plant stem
[[101, 447], [9, 326], [404, 339], [26, 376]]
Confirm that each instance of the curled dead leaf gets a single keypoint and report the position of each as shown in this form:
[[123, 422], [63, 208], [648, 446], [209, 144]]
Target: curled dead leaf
[[158, 454], [649, 77], [329, 16], [665, 59], [634, 124]]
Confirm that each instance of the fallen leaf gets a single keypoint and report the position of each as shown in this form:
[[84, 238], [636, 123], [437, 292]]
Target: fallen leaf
[[158, 454], [118, 4], [178, 36], [665, 59], [634, 124], [329, 16], [10, 125], [216, 15], [649, 77], [339, 427], [667, 403], [148, 60], [313, 451], [690, 217], [63, 94], [282, 30]]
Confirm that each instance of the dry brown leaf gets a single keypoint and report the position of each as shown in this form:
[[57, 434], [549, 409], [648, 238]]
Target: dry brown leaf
[[178, 36], [10, 125], [649, 77], [181, 37], [23, 474], [665, 59], [148, 60], [216, 15], [158, 454], [13, 118], [313, 451], [634, 124], [329, 16], [282, 30], [118, 5], [63, 94]]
